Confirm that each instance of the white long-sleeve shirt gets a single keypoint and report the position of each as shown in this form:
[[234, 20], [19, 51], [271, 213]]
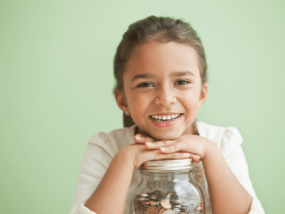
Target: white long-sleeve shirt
[[102, 147]]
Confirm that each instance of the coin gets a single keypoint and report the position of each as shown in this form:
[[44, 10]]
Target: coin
[[144, 203], [157, 192], [166, 204], [175, 201], [153, 203], [161, 211], [176, 209], [142, 199], [152, 210], [161, 197], [159, 207], [153, 198], [199, 208], [171, 193], [169, 212], [174, 197]]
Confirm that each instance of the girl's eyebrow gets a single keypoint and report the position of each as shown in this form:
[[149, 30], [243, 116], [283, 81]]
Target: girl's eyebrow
[[173, 74], [144, 76], [181, 73]]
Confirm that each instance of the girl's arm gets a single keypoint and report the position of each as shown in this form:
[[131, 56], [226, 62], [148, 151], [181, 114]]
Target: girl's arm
[[110, 195], [226, 193]]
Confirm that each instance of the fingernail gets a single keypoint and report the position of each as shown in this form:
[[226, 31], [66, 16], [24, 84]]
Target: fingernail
[[186, 155], [162, 149], [148, 143], [138, 137]]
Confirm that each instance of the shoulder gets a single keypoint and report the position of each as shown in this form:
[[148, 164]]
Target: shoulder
[[114, 140], [223, 137]]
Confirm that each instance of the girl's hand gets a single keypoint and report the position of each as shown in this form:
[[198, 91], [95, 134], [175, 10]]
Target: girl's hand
[[195, 145], [137, 154]]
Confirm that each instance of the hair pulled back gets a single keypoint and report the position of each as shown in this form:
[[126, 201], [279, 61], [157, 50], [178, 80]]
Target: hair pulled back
[[159, 29]]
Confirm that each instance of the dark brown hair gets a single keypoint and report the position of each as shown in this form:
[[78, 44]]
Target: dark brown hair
[[159, 29]]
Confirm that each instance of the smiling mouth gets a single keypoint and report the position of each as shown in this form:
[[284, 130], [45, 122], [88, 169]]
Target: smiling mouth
[[165, 118]]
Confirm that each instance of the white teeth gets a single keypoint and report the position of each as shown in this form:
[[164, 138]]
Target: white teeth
[[165, 117]]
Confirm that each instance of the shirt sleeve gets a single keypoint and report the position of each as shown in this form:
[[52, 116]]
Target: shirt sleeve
[[95, 162], [234, 156]]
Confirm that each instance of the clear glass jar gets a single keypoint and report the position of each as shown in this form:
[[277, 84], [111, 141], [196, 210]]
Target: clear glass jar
[[167, 187]]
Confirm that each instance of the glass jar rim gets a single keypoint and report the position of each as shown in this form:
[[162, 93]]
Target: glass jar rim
[[167, 165]]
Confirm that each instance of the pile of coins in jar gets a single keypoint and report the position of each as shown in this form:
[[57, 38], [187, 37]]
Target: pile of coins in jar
[[158, 202]]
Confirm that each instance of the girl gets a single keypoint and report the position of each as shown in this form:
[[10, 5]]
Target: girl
[[160, 68]]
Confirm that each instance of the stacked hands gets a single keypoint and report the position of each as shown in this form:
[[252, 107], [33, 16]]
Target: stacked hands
[[187, 146]]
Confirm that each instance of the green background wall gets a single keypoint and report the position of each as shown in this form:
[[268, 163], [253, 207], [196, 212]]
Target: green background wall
[[56, 89]]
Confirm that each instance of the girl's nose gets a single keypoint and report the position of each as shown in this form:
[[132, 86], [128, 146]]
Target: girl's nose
[[165, 98]]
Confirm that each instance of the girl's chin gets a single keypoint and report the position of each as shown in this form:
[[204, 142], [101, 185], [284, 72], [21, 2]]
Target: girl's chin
[[166, 136], [162, 135]]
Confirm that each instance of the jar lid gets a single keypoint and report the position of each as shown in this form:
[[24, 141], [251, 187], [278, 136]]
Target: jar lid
[[167, 165]]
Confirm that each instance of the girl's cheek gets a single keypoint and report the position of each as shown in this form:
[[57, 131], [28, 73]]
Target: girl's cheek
[[141, 100], [138, 107]]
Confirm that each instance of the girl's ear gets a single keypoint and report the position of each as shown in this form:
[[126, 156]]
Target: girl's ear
[[121, 101], [203, 94]]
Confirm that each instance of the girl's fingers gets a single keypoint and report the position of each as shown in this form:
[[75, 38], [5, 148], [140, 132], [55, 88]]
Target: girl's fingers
[[174, 147], [179, 146], [142, 138], [195, 158], [176, 155], [148, 155], [158, 144], [181, 155]]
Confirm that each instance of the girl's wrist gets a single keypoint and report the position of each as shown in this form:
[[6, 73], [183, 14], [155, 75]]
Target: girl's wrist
[[124, 158], [210, 149]]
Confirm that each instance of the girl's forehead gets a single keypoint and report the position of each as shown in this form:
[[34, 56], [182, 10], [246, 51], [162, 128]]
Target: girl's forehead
[[170, 49], [158, 58]]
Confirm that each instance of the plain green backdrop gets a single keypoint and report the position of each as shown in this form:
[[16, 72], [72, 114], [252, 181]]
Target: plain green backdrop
[[56, 85]]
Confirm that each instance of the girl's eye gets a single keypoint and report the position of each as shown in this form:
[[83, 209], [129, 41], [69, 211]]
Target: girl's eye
[[145, 84], [181, 82]]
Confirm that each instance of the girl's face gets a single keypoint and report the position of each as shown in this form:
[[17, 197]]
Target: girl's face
[[162, 89]]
